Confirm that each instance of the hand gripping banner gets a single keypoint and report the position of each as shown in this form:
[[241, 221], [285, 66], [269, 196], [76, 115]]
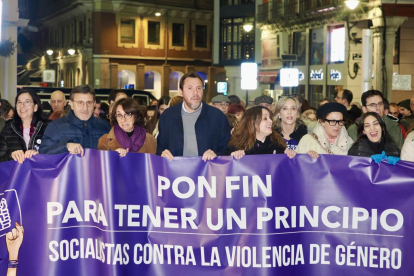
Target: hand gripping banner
[[262, 215]]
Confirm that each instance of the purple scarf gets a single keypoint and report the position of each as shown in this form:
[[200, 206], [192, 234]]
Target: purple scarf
[[133, 143]]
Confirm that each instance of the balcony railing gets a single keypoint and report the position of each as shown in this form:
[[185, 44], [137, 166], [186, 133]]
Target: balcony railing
[[274, 10]]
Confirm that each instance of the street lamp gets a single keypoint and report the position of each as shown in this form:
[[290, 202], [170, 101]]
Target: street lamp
[[71, 51], [248, 27], [352, 4], [49, 52]]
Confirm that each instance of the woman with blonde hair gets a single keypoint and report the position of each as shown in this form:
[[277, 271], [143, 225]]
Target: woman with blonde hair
[[287, 121], [255, 135]]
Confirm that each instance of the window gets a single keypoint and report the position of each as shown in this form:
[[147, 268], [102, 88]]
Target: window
[[201, 36], [80, 32], [316, 47], [153, 32], [236, 44], [149, 80], [127, 31], [235, 2], [337, 45], [177, 34], [299, 47]]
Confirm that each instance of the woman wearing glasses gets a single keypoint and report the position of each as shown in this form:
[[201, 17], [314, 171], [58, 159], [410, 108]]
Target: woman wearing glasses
[[128, 133], [287, 121], [329, 135], [373, 138], [21, 138]]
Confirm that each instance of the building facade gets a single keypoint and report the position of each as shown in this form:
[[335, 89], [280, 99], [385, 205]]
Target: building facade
[[332, 46], [234, 44], [125, 44]]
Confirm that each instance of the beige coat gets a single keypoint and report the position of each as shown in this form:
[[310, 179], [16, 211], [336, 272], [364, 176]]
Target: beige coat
[[407, 151], [109, 142], [340, 147]]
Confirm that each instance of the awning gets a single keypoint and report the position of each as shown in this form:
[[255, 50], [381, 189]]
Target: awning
[[267, 76]]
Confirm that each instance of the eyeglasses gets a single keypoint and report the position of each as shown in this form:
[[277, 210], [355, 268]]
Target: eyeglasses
[[56, 101], [126, 116], [24, 103], [334, 122], [221, 104], [374, 105], [82, 103]]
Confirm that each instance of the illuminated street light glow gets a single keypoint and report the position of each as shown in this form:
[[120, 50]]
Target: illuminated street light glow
[[352, 4], [71, 52], [49, 52], [248, 27], [157, 14]]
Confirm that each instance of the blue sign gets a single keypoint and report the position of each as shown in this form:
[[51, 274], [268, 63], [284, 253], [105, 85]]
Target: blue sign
[[316, 74], [222, 87]]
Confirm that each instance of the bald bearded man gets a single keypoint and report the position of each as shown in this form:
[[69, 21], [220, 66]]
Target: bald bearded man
[[58, 103]]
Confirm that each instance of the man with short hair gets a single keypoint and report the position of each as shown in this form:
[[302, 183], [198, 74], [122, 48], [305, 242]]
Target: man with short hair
[[192, 128], [77, 131], [345, 97], [372, 101], [221, 102], [57, 103], [394, 111], [97, 109], [234, 99], [265, 101], [115, 95], [405, 108]]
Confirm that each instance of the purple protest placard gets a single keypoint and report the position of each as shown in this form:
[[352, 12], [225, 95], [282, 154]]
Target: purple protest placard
[[262, 215]]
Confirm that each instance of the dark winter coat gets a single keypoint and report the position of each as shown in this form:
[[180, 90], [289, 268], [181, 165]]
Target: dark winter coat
[[362, 149], [11, 139], [212, 131], [71, 129]]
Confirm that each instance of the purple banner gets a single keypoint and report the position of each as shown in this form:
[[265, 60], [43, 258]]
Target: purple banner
[[262, 215]]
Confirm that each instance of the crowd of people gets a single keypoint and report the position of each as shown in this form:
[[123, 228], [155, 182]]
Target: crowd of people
[[185, 125]]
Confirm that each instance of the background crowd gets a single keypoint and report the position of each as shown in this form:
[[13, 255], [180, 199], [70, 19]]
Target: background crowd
[[185, 125]]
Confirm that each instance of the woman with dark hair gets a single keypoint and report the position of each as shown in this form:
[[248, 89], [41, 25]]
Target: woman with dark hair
[[128, 133], [373, 138], [329, 135], [237, 110], [21, 138], [255, 135], [152, 126], [288, 123], [6, 113]]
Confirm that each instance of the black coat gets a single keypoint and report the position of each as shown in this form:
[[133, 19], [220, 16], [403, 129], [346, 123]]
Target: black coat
[[212, 131], [362, 149], [11, 139], [261, 148]]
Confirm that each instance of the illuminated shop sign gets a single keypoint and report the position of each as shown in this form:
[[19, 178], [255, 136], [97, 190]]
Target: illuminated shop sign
[[301, 76], [316, 75], [336, 75], [289, 77]]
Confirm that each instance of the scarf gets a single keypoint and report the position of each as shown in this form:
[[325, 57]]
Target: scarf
[[378, 147], [32, 129], [133, 143]]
